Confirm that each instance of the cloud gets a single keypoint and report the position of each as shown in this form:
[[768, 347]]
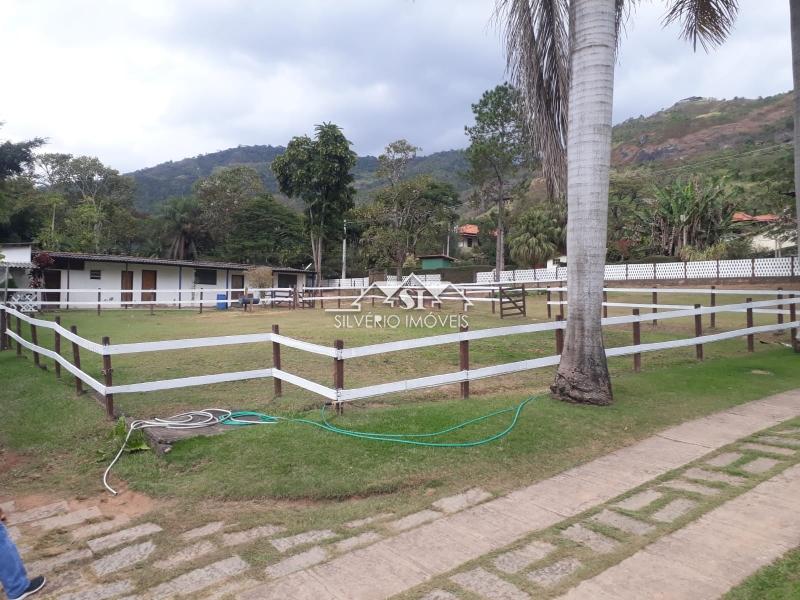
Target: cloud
[[140, 82]]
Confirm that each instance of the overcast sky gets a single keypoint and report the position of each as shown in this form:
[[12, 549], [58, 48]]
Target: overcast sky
[[143, 81]]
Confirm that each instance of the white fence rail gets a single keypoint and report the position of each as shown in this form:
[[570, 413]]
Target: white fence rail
[[338, 393], [788, 266]]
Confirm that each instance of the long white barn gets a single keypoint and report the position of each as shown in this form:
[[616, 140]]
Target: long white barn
[[121, 280]]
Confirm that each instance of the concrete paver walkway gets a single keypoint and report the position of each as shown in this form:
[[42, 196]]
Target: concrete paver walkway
[[397, 564], [708, 557]]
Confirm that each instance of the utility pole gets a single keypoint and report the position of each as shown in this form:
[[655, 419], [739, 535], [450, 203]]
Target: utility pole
[[344, 251]]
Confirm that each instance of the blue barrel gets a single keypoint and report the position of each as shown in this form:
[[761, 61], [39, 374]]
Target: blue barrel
[[222, 301]]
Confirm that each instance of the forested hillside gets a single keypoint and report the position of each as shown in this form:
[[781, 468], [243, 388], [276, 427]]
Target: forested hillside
[[694, 129], [176, 178]]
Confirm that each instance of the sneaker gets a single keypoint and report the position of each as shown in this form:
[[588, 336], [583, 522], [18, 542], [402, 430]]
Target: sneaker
[[36, 584]]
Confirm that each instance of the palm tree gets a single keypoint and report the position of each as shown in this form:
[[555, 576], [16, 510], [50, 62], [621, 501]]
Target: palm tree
[[794, 11], [182, 220], [561, 55], [535, 238]]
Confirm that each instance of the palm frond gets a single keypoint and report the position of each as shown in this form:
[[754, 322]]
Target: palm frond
[[537, 61], [709, 21]]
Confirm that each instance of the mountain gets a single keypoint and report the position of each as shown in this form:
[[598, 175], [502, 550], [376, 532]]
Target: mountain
[[176, 178], [747, 137]]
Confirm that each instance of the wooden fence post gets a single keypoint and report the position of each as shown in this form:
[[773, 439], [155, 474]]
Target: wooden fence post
[[713, 303], [780, 307], [107, 371], [698, 331], [19, 333], [294, 297], [57, 347], [561, 303], [524, 302], [559, 336], [750, 337], [338, 375], [637, 339], [35, 341], [793, 332], [152, 306], [463, 361], [549, 311], [201, 302], [2, 328], [98, 302], [76, 360], [276, 362], [655, 310], [605, 308]]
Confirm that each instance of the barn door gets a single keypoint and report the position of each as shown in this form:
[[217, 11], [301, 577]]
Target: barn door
[[237, 283], [52, 280], [127, 284], [149, 279]]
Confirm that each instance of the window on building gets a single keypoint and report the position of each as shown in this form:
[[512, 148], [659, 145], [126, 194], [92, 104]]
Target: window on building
[[94, 274], [469, 242], [205, 276]]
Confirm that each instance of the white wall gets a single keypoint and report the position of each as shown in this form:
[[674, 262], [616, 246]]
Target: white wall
[[16, 253], [168, 283]]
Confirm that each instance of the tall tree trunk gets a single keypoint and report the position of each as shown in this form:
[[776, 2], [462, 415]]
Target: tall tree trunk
[[794, 10], [583, 373], [499, 262]]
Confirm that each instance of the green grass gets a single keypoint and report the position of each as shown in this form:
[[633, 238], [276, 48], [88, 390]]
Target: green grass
[[59, 443], [778, 581]]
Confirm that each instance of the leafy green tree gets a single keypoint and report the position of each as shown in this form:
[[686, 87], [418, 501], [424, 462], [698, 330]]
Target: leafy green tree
[[535, 238], [266, 232], [318, 171], [18, 219], [223, 193], [393, 163], [86, 193], [182, 226], [496, 152], [404, 215]]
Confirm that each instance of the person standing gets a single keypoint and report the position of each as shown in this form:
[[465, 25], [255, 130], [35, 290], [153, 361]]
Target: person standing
[[13, 577]]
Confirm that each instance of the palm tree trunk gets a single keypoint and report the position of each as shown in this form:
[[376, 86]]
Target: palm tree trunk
[[794, 10], [499, 263], [583, 372]]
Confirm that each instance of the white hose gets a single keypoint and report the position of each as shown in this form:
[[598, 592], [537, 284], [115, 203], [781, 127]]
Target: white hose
[[193, 419]]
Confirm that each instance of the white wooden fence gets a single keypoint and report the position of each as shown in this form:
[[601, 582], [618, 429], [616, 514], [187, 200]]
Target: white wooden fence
[[338, 354], [788, 266]]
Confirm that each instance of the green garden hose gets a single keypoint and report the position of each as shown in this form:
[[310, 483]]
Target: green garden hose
[[207, 417], [237, 418]]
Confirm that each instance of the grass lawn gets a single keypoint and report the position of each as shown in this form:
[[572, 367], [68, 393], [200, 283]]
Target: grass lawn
[[55, 442], [778, 581]]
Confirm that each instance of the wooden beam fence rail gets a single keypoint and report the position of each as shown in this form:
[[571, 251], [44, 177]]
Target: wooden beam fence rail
[[338, 393]]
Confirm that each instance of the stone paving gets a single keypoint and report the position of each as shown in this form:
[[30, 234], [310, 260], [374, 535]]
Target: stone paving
[[627, 509]]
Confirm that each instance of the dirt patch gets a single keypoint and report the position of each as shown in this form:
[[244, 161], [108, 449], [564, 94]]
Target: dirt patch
[[11, 460]]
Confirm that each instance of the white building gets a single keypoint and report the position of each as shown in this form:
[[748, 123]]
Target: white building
[[120, 280]]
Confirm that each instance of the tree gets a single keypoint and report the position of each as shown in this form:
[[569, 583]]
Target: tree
[[392, 164], [794, 10], [95, 202], [566, 78], [535, 238], [403, 215], [318, 172], [16, 189], [182, 226], [496, 152], [266, 232], [223, 193]]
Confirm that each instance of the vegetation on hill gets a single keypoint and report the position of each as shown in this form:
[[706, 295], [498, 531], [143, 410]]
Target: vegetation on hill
[[176, 178]]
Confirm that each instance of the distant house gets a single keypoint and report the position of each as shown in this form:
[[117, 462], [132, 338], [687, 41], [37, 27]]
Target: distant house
[[15, 262], [468, 237], [762, 242], [121, 279]]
